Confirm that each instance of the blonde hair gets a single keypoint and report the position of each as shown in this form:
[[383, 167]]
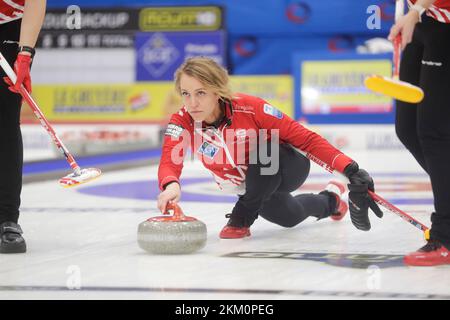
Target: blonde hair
[[208, 72]]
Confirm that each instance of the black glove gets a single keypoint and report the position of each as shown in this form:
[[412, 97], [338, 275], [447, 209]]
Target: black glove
[[359, 200]]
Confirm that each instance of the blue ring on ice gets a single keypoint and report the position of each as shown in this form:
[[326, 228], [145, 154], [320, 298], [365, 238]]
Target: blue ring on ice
[[149, 190]]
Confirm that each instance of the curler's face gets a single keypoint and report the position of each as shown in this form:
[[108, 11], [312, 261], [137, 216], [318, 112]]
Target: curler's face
[[201, 102]]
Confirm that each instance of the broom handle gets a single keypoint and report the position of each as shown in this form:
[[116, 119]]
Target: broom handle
[[379, 200], [38, 113], [396, 57], [399, 11]]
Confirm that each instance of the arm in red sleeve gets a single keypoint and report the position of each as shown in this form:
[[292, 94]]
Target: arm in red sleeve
[[176, 141], [292, 132]]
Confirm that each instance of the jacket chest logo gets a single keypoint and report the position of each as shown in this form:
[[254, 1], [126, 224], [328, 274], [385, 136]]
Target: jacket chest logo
[[208, 149]]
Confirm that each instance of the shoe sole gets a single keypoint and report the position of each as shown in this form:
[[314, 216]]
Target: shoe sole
[[423, 263], [22, 248], [240, 237]]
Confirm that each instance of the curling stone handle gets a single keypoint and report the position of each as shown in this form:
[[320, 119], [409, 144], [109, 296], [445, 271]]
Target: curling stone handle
[[177, 212]]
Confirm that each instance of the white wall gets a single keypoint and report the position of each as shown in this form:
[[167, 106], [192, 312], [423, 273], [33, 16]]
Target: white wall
[[63, 66]]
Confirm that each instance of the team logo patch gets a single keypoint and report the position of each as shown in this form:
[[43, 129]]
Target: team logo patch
[[272, 111], [173, 130], [208, 150]]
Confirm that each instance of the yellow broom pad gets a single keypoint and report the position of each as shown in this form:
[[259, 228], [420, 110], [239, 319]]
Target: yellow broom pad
[[396, 89]]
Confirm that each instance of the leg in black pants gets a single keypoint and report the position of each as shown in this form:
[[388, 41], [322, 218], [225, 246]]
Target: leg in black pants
[[406, 113], [269, 195], [10, 136], [11, 157], [425, 128]]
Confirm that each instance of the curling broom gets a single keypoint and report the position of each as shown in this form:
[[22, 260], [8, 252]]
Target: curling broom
[[393, 87], [379, 200], [79, 175]]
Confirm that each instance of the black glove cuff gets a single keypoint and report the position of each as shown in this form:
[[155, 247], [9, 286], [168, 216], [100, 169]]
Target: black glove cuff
[[351, 169], [28, 49]]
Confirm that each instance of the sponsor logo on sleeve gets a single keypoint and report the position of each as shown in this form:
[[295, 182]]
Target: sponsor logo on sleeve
[[272, 111], [173, 130]]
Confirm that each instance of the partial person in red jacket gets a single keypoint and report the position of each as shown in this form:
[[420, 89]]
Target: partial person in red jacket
[[250, 148], [424, 128], [20, 24]]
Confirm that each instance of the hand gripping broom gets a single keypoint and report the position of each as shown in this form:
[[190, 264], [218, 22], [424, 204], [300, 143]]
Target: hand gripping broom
[[79, 175], [393, 87]]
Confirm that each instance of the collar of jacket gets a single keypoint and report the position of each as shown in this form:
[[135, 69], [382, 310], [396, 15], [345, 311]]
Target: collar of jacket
[[227, 108]]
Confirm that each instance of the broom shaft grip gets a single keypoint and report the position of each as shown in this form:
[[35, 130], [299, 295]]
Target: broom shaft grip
[[396, 57]]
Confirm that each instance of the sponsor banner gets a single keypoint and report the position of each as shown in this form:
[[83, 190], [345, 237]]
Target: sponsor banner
[[85, 39], [82, 18], [286, 17], [360, 137], [180, 19], [116, 103], [277, 90], [37, 144], [159, 54], [268, 54], [329, 87], [88, 139], [140, 102], [78, 27]]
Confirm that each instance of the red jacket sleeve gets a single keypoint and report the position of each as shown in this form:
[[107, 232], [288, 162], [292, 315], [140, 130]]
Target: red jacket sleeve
[[292, 132], [176, 141]]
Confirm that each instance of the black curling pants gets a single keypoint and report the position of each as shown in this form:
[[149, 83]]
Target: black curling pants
[[268, 195], [11, 148], [424, 128]]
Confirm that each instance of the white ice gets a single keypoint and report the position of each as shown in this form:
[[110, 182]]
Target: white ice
[[84, 247]]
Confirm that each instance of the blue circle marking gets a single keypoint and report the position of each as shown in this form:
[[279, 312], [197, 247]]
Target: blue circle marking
[[149, 190]]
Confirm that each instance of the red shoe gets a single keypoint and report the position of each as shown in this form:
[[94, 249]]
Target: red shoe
[[338, 190], [432, 254], [229, 232]]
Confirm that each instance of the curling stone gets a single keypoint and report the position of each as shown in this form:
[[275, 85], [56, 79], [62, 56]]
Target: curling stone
[[172, 234]]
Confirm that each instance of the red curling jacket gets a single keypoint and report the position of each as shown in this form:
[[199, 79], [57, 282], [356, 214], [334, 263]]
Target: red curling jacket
[[439, 10], [225, 147], [11, 10]]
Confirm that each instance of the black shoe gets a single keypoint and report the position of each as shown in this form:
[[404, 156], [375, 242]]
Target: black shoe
[[240, 221], [11, 240]]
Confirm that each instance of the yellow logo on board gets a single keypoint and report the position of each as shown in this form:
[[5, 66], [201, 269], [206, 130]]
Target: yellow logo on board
[[180, 19]]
